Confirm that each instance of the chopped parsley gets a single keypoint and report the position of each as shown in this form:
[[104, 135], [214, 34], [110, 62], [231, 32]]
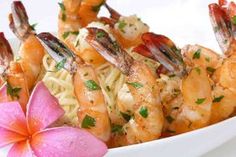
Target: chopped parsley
[[63, 17], [108, 88], [60, 64], [121, 25], [198, 70], [208, 59], [97, 7], [210, 69], [225, 41], [66, 34], [135, 84], [126, 116], [169, 119], [143, 112], [234, 20], [88, 122], [62, 6], [13, 92], [33, 26], [218, 99], [200, 101], [197, 54], [92, 85], [116, 128], [63, 9], [100, 34]]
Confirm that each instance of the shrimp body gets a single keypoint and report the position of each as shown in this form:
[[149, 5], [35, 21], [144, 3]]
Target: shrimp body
[[184, 111], [195, 111], [92, 102], [147, 120], [92, 113], [6, 56], [73, 16], [12, 73], [127, 29], [31, 51]]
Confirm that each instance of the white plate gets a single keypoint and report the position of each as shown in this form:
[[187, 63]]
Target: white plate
[[183, 21]]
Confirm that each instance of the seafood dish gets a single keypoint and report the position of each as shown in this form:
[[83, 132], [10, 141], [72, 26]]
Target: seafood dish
[[107, 82]]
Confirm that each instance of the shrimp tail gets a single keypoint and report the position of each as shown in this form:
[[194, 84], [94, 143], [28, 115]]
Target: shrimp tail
[[58, 51], [113, 13], [6, 53], [222, 26], [18, 19], [109, 49], [144, 51], [164, 51]]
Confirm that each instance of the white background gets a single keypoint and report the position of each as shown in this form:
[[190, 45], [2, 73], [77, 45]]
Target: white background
[[184, 21]]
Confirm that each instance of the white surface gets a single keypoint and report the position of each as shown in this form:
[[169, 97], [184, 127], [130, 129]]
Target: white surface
[[184, 21]]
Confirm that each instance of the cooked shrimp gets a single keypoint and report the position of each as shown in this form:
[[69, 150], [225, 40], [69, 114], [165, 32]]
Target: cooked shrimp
[[12, 72], [31, 51], [75, 14], [185, 110], [224, 76], [6, 56], [92, 114], [127, 29], [146, 115]]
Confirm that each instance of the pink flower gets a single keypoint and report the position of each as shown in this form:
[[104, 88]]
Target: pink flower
[[30, 135]]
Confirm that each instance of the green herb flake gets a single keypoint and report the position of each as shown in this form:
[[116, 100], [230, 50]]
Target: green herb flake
[[88, 122], [92, 85], [74, 33], [33, 26], [197, 54], [218, 99], [97, 7], [86, 74], [63, 18], [208, 59], [225, 41], [135, 84], [100, 34], [60, 64], [210, 70], [13, 92], [116, 128], [234, 20], [169, 119], [200, 101], [121, 25], [198, 70], [126, 116], [143, 112], [65, 35], [62, 6], [108, 88]]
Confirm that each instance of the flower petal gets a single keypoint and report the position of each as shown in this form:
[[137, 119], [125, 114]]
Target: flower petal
[[12, 117], [8, 137], [67, 142], [3, 93], [21, 149], [43, 109]]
